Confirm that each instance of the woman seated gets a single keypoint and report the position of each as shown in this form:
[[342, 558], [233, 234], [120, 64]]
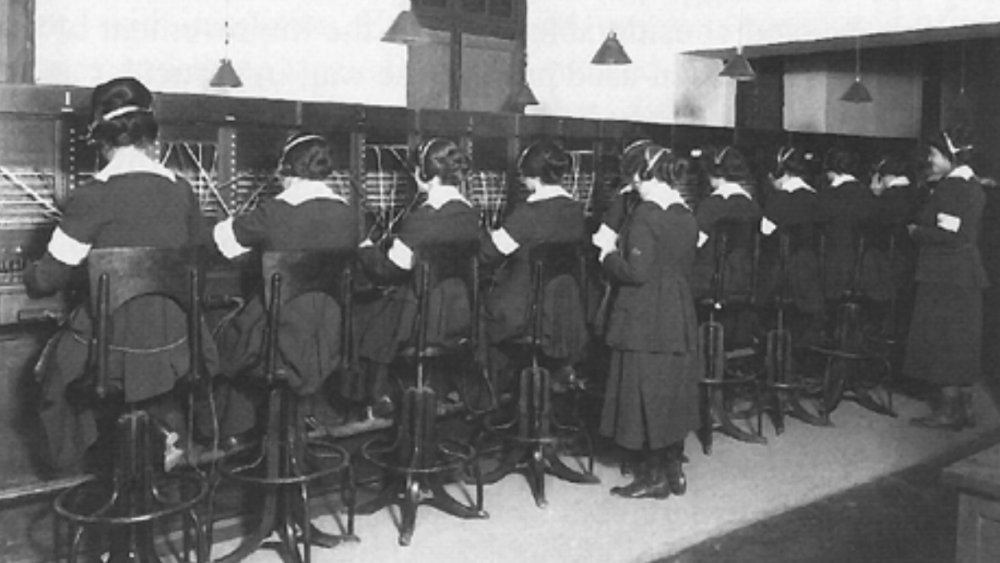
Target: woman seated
[[790, 214], [890, 255], [728, 213], [307, 214], [384, 325], [133, 202], [844, 205], [651, 398], [549, 214]]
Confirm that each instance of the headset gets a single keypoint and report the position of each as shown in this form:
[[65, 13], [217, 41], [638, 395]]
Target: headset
[[292, 142], [113, 114], [422, 151], [652, 154], [721, 155]]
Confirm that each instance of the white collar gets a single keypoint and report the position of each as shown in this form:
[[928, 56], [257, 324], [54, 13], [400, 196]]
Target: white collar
[[442, 194], [729, 189], [665, 197], [839, 179], [898, 181], [546, 191], [793, 183], [964, 172], [129, 159], [301, 190]]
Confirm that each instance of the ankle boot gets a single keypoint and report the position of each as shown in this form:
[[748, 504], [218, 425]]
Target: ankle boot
[[658, 487], [640, 482], [948, 415], [676, 479]]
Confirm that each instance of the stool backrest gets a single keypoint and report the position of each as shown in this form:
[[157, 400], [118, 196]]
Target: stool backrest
[[118, 275], [289, 274], [551, 260], [728, 235], [440, 262]]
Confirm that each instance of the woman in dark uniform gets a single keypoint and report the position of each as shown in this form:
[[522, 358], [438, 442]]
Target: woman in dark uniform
[[133, 202], [790, 210], [944, 343], [730, 208], [890, 255], [307, 214], [651, 399], [549, 214], [384, 325], [844, 205]]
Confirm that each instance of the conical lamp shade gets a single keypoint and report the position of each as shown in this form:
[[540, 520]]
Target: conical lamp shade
[[524, 97], [857, 93], [611, 52], [226, 76], [738, 68], [407, 30]]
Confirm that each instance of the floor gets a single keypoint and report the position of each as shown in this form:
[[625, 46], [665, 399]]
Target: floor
[[864, 490]]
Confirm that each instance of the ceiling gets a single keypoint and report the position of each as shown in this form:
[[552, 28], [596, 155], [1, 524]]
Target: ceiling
[[872, 41]]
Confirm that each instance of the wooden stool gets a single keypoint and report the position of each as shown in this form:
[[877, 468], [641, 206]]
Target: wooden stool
[[135, 495], [532, 436], [287, 459], [416, 462], [715, 415]]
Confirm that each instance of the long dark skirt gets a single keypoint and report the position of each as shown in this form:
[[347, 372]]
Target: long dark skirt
[[945, 340], [651, 399]]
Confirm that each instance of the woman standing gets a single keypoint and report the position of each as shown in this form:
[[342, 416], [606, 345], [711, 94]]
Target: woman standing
[[651, 401], [307, 214], [133, 202], [944, 343]]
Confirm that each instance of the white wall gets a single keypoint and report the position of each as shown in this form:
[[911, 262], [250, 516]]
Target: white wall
[[330, 49], [297, 49]]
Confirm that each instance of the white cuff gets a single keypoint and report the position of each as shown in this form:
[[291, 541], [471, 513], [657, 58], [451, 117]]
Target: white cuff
[[225, 240], [366, 243], [504, 242], [767, 226], [605, 237], [67, 249], [949, 222], [400, 254], [702, 238]]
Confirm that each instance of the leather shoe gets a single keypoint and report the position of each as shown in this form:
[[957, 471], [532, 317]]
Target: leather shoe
[[676, 480]]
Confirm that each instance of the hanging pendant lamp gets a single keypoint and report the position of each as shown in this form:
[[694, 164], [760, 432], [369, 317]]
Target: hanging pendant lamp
[[857, 93], [738, 68], [225, 76], [407, 30], [611, 52]]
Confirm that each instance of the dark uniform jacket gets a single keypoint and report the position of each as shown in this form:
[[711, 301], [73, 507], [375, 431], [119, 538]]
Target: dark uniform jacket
[[557, 218], [843, 208], [383, 325], [134, 202], [730, 205], [307, 215], [654, 309], [947, 233], [794, 212], [890, 254]]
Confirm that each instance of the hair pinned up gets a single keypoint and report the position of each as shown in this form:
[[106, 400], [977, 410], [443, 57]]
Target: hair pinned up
[[443, 158], [840, 160], [632, 158], [306, 155], [954, 144], [792, 161], [545, 160], [122, 113], [730, 164]]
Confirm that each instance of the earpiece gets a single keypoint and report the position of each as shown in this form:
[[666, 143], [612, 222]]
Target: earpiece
[[293, 142], [422, 152]]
